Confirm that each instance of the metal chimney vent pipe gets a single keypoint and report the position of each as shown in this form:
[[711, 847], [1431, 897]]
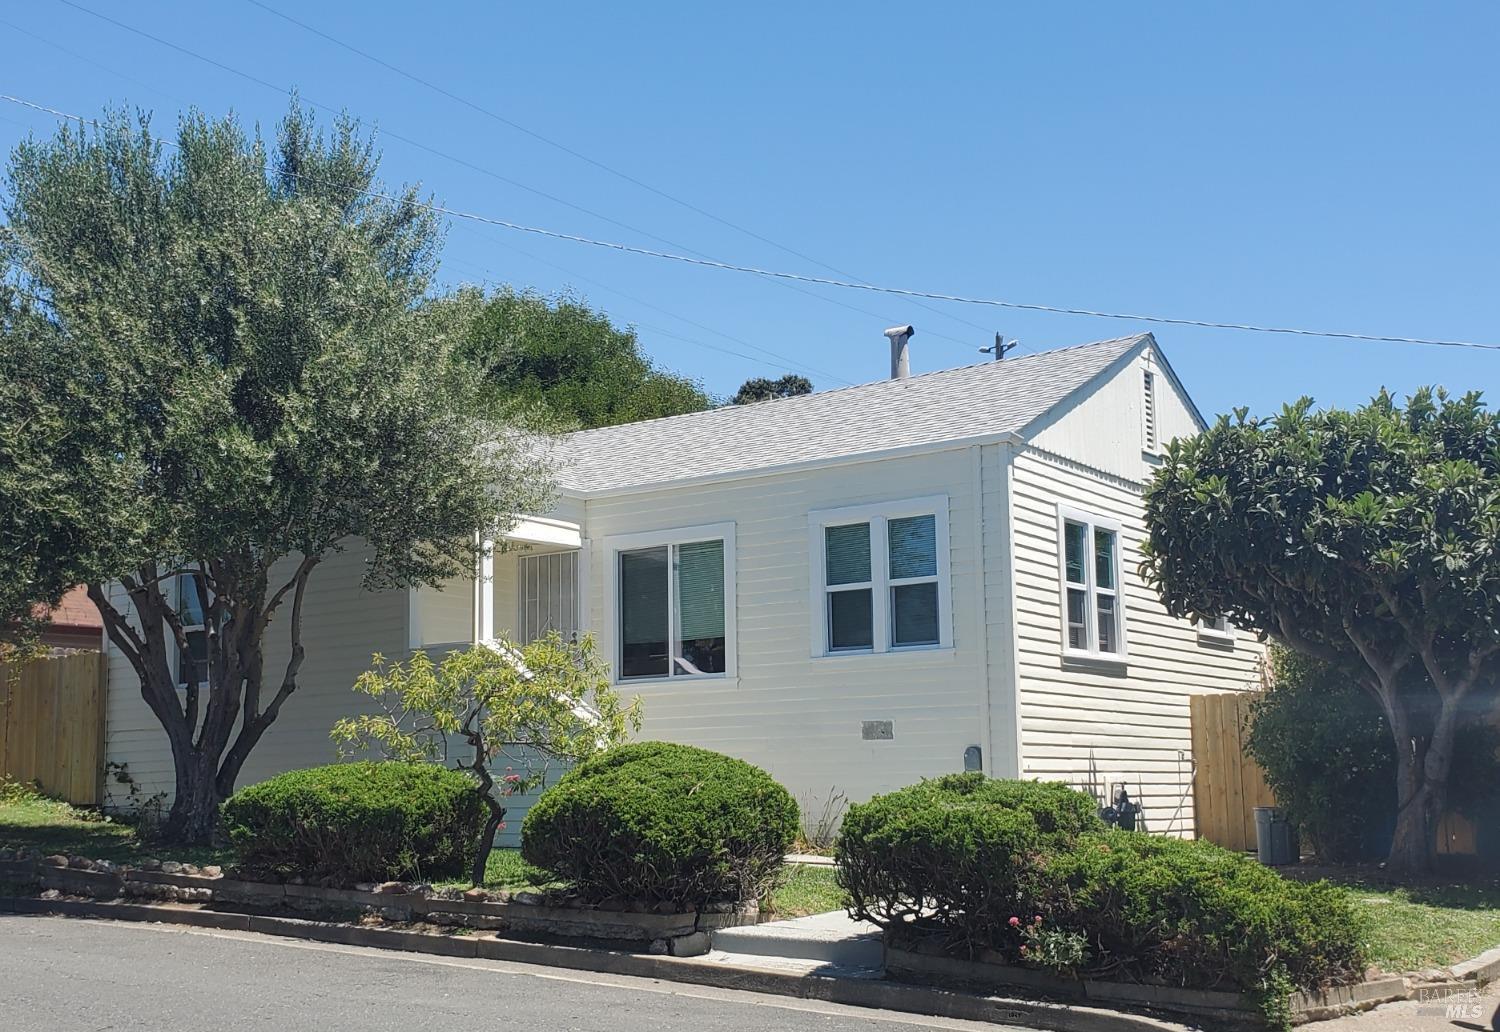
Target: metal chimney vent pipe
[[900, 364]]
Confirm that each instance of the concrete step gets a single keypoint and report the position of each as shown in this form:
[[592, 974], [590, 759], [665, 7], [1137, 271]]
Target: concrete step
[[832, 938], [788, 965]]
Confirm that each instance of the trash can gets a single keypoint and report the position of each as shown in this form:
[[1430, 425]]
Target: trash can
[[1275, 838]]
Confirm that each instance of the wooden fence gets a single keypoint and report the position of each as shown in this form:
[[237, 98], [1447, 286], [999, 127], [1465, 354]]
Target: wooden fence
[[52, 725], [1227, 783]]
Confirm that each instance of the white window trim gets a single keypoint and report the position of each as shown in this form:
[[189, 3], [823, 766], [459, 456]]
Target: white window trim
[[877, 515], [617, 543], [1219, 636], [1092, 522]]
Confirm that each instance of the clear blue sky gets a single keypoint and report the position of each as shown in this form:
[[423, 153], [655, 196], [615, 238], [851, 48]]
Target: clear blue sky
[[1323, 165]]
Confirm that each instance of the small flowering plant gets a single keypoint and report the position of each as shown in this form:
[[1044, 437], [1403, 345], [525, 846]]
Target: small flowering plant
[[1055, 949]]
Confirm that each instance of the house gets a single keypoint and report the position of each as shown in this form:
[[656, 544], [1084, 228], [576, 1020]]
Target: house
[[855, 589], [74, 623]]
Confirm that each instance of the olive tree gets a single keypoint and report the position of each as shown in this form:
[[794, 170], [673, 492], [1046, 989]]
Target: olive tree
[[1369, 539], [518, 709], [222, 365]]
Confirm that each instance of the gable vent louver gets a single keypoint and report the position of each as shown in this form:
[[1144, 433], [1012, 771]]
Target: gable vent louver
[[1148, 406]]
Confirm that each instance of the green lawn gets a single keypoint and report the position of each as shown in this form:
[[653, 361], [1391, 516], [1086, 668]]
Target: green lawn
[[1429, 926], [27, 819]]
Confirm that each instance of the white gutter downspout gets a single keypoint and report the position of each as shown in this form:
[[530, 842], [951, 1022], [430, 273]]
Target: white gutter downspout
[[981, 607]]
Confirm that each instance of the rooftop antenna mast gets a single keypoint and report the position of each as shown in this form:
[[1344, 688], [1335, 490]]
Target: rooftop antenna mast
[[1000, 348]]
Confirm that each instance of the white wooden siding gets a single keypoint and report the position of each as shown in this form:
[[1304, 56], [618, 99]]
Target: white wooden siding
[[342, 626], [1092, 724], [1104, 427], [798, 716]]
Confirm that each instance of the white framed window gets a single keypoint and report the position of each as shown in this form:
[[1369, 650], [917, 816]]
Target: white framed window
[[672, 594], [1089, 566], [192, 664], [880, 579], [1218, 630]]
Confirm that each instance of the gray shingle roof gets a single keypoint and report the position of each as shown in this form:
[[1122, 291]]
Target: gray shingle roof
[[953, 404]]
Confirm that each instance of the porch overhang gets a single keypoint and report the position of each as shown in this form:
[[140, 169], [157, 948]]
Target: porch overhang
[[545, 533]]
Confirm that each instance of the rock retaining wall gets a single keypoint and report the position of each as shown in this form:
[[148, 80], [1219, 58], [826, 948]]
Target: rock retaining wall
[[680, 934], [926, 964]]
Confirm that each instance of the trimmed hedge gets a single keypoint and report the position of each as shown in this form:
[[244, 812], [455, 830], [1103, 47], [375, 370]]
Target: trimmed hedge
[[955, 853], [1193, 913], [974, 863], [357, 822], [660, 823]]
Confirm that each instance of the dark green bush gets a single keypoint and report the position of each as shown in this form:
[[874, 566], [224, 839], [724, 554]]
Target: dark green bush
[[972, 863], [1195, 914], [356, 822], [657, 822], [1328, 755], [956, 854]]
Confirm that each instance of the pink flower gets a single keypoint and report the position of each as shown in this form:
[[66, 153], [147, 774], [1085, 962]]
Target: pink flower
[[1038, 919], [502, 825], [512, 778], [1015, 922]]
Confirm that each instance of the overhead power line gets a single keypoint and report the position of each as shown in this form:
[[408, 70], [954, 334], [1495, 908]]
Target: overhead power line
[[572, 152], [767, 353], [870, 287], [409, 141]]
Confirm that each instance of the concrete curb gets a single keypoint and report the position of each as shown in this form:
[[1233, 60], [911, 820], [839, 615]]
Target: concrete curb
[[1481, 970], [858, 992]]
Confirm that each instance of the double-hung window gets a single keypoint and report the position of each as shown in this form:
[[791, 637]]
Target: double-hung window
[[192, 663], [674, 603], [880, 577], [1093, 607]]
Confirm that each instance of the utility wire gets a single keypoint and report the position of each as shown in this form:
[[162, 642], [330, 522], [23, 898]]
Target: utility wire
[[794, 364], [875, 288], [564, 148], [759, 362], [250, 77]]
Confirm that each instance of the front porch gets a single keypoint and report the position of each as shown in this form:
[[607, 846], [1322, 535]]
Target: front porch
[[528, 583]]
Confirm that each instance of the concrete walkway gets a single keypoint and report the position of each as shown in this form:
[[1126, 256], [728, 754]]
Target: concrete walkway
[[832, 939]]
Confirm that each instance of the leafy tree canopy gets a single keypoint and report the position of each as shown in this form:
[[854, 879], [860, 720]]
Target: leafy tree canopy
[[571, 362], [1369, 539], [220, 359], [762, 389]]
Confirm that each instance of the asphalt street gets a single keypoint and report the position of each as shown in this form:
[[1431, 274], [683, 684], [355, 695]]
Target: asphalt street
[[70, 975]]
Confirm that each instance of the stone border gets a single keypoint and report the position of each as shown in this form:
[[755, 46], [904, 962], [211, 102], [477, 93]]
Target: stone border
[[1224, 1009], [680, 934]]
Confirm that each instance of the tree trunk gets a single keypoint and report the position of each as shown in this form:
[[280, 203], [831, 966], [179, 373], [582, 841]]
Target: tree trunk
[[195, 809], [1422, 795], [486, 843]]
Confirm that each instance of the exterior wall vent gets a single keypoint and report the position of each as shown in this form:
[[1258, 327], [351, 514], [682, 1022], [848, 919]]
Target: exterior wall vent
[[1148, 408]]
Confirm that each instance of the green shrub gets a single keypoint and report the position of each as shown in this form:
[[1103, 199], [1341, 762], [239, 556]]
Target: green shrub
[[356, 822], [955, 854], [1195, 914], [657, 822], [1026, 870], [1328, 755]]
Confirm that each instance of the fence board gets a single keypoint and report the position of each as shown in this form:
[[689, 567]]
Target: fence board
[[52, 725], [1227, 784]]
